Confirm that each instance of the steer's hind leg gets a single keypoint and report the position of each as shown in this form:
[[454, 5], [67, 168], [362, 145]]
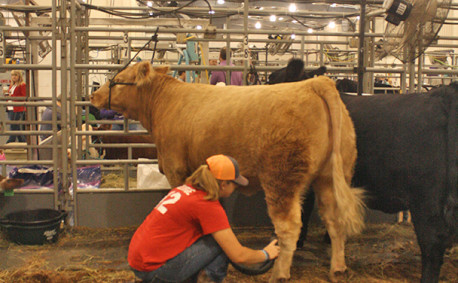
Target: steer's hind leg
[[175, 170], [433, 237], [327, 208], [284, 209]]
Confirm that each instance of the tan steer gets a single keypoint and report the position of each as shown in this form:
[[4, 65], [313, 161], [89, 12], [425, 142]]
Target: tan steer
[[286, 138]]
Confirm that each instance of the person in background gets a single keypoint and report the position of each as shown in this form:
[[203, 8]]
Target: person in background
[[213, 62], [220, 76], [187, 236], [182, 76], [16, 113], [47, 116], [106, 114], [381, 80]]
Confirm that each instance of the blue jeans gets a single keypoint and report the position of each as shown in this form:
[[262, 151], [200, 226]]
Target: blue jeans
[[16, 116], [205, 253]]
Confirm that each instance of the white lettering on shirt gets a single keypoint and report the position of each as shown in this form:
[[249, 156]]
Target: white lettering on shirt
[[185, 189], [171, 198]]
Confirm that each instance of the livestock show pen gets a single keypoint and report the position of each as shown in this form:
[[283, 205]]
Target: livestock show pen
[[56, 231]]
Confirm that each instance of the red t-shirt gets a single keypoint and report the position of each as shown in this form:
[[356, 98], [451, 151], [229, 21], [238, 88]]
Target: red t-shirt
[[19, 91], [178, 220]]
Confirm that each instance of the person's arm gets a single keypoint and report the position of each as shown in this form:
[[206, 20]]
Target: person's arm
[[240, 254]]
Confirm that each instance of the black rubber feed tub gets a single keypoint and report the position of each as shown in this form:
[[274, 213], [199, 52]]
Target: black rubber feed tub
[[255, 269], [33, 227]]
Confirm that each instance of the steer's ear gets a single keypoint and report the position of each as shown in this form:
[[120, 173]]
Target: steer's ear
[[144, 69], [163, 69]]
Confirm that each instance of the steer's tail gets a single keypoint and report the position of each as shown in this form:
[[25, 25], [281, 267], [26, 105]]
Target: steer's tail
[[350, 205]]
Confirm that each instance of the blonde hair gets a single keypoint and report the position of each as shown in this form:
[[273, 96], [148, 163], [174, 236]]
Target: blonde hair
[[19, 74], [202, 179]]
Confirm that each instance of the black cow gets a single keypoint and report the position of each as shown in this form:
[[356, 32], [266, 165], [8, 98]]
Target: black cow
[[407, 159], [294, 72], [347, 85]]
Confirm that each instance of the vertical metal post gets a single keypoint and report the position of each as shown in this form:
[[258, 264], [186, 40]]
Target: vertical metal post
[[420, 61], [420, 72], [302, 47], [369, 78], [246, 54], [28, 112], [403, 80], [228, 52], [361, 51], [63, 90], [321, 54], [73, 95], [411, 68], [87, 89], [55, 141]]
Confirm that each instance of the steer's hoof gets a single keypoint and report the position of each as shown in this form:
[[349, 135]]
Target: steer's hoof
[[338, 275]]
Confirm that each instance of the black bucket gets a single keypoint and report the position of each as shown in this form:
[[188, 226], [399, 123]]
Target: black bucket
[[33, 227]]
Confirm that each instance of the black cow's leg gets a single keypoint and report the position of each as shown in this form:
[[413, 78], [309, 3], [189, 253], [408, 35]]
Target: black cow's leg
[[307, 208], [432, 239]]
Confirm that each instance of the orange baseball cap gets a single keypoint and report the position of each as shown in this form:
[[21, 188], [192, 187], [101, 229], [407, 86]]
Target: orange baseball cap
[[226, 168]]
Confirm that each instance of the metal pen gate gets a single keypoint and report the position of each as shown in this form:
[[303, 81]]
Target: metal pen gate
[[59, 44]]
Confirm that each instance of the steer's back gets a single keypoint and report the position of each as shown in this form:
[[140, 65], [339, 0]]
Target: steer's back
[[250, 123]]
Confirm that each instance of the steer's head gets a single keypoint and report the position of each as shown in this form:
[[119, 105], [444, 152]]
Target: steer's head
[[121, 93]]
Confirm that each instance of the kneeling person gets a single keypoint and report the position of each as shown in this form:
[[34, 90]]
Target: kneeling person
[[188, 231]]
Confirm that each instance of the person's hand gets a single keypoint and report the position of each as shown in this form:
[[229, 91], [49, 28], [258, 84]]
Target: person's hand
[[272, 249]]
